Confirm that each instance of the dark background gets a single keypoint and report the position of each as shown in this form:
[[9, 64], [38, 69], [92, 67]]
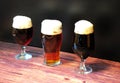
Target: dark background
[[104, 14]]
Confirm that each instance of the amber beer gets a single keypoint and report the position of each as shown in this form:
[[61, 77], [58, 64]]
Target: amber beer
[[22, 30], [51, 40]]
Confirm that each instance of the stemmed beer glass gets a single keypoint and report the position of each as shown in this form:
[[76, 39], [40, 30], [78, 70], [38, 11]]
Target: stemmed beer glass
[[22, 32], [83, 43]]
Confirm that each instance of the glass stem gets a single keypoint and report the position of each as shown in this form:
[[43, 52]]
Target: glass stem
[[23, 51], [82, 66]]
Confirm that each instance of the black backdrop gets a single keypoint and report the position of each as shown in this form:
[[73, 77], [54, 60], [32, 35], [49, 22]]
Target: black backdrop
[[104, 14]]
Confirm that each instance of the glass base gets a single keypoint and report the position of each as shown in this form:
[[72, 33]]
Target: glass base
[[23, 57], [52, 64], [87, 70]]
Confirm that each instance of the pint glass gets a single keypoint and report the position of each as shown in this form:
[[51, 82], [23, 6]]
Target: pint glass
[[51, 41]]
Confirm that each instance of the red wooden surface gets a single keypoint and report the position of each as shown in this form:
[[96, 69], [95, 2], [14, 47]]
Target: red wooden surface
[[34, 71]]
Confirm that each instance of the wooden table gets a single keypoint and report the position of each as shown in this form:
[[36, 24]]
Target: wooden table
[[33, 70]]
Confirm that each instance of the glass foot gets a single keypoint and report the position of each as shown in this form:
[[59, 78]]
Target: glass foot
[[23, 57], [86, 70]]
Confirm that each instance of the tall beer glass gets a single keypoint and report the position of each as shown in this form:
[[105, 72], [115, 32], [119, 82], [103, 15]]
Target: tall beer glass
[[22, 32], [83, 43], [51, 40]]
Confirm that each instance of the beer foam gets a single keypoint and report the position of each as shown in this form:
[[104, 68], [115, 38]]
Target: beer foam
[[83, 27], [21, 22], [51, 27]]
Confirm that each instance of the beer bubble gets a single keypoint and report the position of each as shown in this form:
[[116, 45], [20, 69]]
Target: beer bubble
[[51, 27], [83, 27], [21, 22]]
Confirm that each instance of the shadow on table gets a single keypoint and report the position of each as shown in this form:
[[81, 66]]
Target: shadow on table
[[35, 54], [99, 66]]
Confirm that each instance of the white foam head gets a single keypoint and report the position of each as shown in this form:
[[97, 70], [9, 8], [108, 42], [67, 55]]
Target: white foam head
[[83, 27], [21, 22], [51, 27]]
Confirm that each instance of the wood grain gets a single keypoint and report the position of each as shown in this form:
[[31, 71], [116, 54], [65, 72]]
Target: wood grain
[[34, 71]]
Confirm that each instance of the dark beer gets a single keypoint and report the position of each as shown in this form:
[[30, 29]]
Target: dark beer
[[51, 40], [84, 38], [22, 29], [22, 32], [22, 36], [85, 44]]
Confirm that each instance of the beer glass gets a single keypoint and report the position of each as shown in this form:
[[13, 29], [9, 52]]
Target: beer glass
[[22, 32], [51, 41], [83, 43]]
